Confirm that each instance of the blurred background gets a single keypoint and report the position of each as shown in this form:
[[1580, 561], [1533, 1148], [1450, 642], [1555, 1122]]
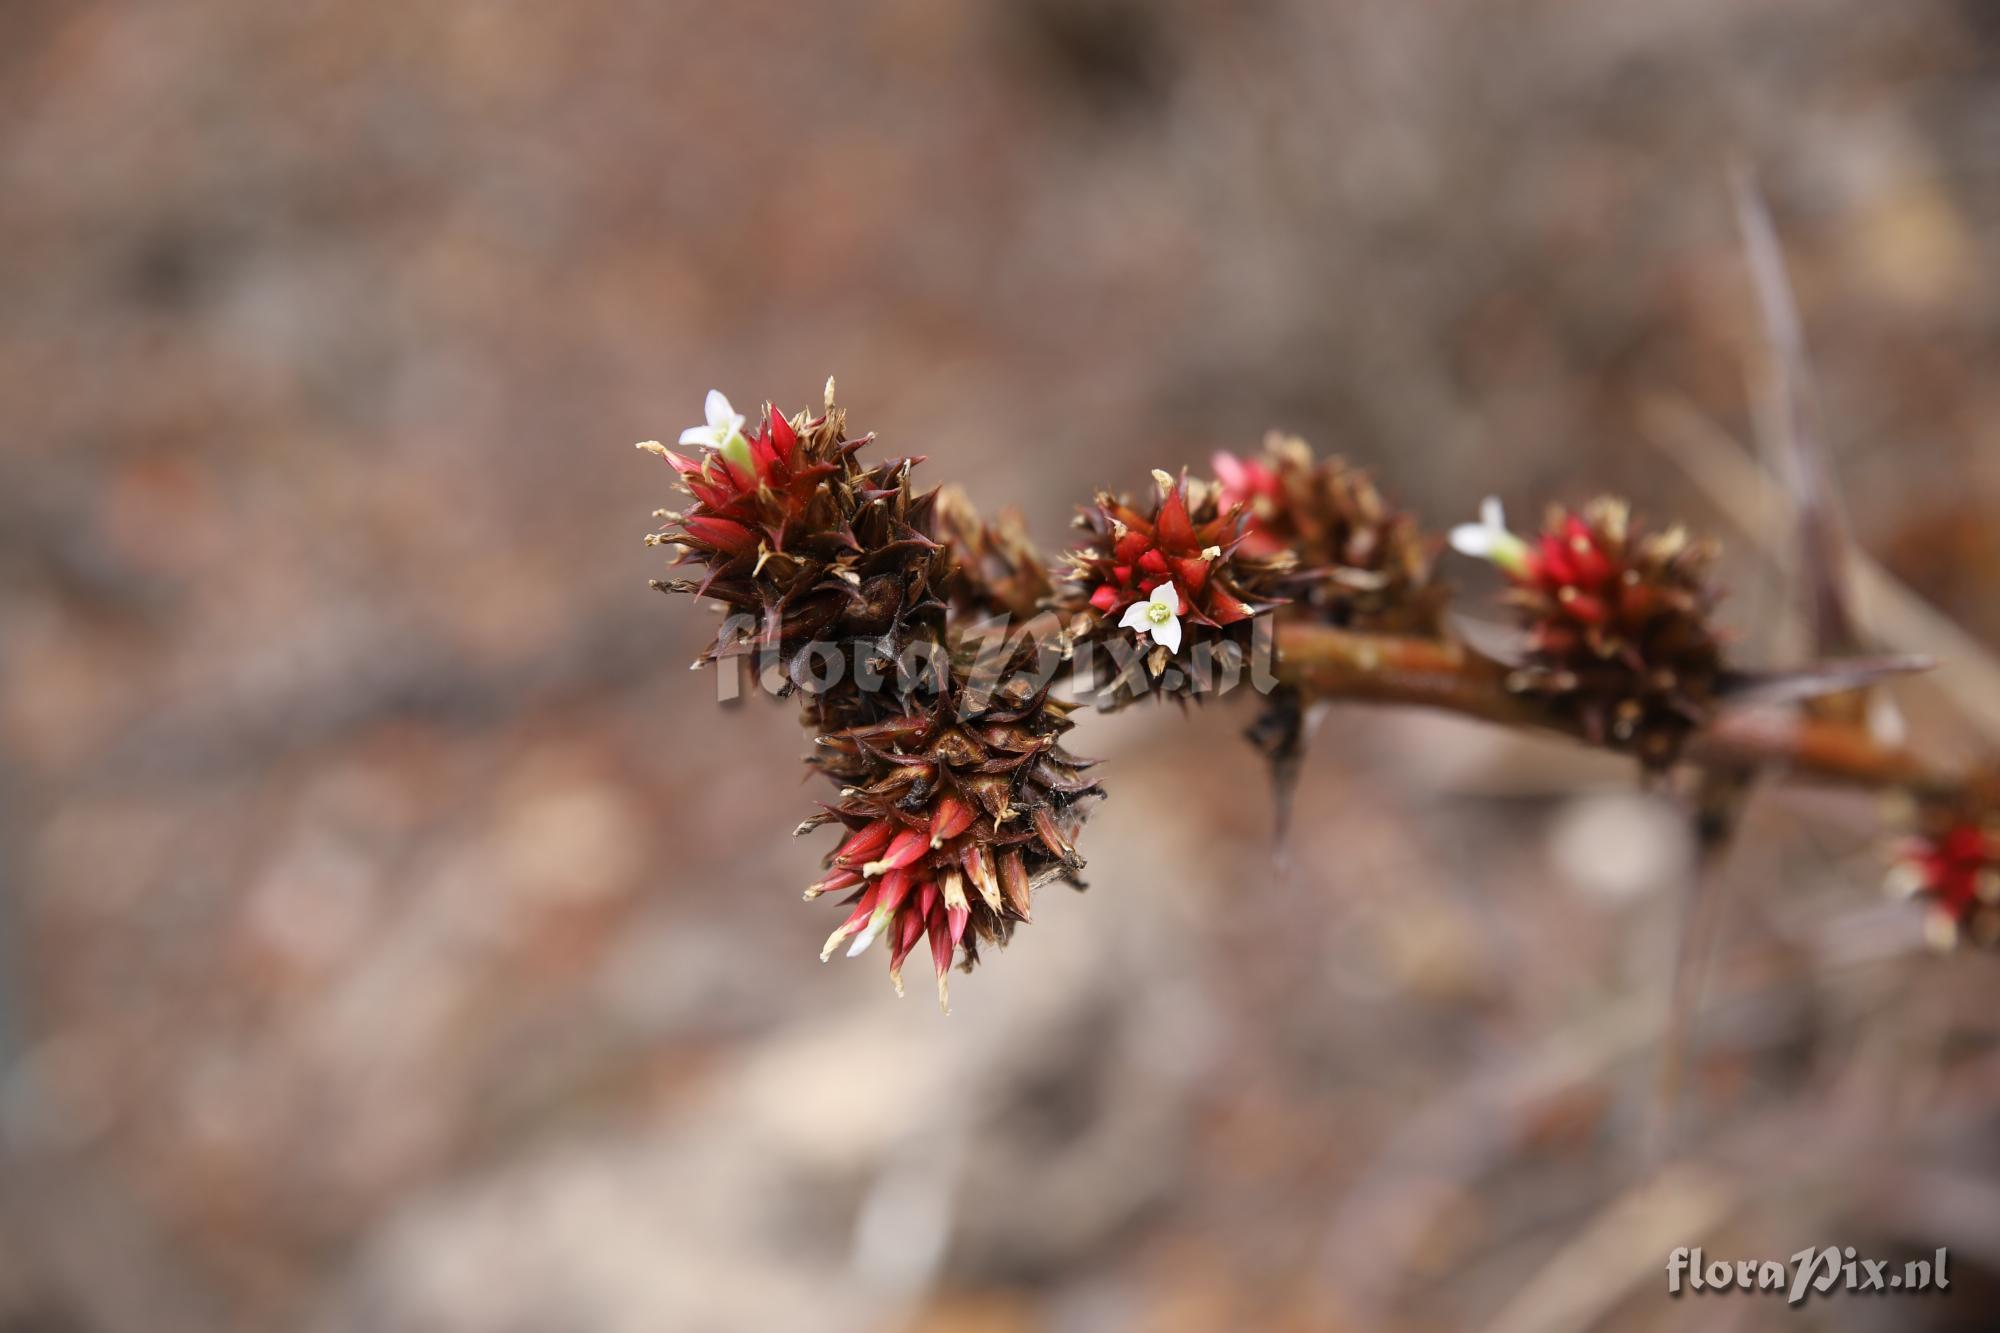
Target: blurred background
[[397, 934]]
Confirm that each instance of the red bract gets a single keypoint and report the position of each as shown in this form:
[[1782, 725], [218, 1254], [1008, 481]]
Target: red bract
[[1254, 486]]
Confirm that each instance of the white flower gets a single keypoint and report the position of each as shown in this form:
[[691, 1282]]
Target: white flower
[[1159, 616], [1488, 539], [725, 424]]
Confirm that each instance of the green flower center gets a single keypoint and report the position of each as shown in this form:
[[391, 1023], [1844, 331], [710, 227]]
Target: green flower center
[[1159, 612]]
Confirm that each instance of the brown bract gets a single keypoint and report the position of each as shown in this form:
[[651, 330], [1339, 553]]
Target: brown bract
[[1363, 564], [996, 570], [955, 813]]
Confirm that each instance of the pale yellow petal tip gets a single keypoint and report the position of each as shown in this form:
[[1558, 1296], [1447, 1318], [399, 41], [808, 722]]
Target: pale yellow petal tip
[[1940, 932], [944, 993], [988, 885], [1164, 480], [652, 447]]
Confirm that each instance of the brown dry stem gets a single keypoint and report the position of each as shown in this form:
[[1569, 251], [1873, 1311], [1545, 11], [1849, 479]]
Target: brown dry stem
[[1336, 664]]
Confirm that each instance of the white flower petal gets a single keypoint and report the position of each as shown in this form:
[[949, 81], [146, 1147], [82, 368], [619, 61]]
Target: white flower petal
[[1473, 539], [1168, 635], [1135, 617], [701, 435], [718, 411], [1167, 597], [1492, 515]]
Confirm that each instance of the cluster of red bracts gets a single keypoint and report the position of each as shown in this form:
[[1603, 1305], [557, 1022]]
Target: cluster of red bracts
[[1956, 870], [1133, 553], [730, 484], [911, 882], [1587, 583], [1616, 623], [1170, 547]]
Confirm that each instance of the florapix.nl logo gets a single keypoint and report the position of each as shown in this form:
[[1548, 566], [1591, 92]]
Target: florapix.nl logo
[[1812, 1271]]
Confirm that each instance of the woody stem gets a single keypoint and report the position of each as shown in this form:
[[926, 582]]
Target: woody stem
[[1336, 664]]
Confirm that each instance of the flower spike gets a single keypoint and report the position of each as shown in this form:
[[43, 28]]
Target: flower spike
[[956, 796], [794, 533], [1617, 624], [939, 783], [1175, 569]]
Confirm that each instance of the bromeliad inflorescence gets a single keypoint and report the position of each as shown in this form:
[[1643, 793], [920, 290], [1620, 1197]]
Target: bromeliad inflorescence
[[1616, 622], [956, 796], [956, 793], [1189, 540]]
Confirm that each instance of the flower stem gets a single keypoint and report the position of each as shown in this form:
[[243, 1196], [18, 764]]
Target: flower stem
[[1336, 664]]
